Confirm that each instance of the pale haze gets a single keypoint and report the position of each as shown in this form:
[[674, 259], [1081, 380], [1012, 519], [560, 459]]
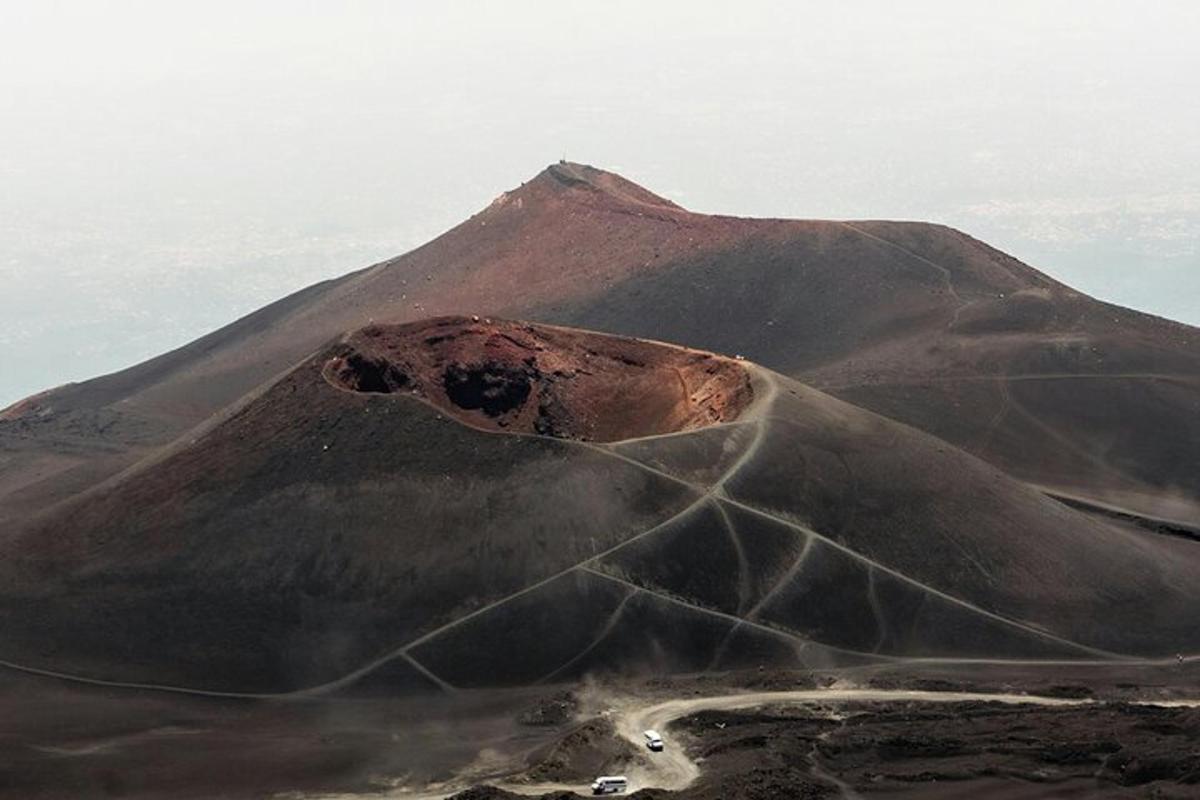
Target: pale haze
[[166, 168]]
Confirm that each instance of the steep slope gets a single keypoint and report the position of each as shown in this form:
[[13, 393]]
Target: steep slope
[[916, 321], [926, 325], [57, 444], [590, 503]]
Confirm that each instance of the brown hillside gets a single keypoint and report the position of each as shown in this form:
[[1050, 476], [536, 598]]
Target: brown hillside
[[916, 321], [334, 534]]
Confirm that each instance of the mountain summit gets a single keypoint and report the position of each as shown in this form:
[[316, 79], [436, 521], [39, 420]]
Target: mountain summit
[[582, 180]]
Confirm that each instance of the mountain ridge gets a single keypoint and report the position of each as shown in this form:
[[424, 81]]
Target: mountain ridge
[[864, 308]]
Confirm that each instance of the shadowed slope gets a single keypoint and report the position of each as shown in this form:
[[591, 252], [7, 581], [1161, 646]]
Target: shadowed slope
[[975, 347]]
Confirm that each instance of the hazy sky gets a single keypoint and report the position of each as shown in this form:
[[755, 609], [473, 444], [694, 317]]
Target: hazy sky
[[168, 167]]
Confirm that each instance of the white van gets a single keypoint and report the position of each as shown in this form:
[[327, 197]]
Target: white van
[[653, 740], [610, 784]]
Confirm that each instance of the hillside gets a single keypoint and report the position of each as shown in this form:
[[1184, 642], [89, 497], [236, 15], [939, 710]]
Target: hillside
[[555, 502], [916, 321]]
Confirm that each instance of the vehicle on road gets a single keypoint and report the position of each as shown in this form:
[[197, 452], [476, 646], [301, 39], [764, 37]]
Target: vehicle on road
[[610, 784], [653, 741]]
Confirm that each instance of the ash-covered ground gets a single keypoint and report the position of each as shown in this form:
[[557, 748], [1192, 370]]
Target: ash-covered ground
[[912, 749], [1129, 735], [1127, 732]]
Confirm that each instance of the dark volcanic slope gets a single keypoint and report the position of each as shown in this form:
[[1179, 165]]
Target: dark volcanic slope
[[345, 528], [926, 325], [917, 321]]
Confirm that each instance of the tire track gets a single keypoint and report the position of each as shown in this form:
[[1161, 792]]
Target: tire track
[[744, 590], [719, 492], [736, 620], [609, 625], [947, 277], [784, 579]]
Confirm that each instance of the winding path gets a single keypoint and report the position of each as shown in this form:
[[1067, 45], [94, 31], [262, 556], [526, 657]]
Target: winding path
[[674, 769], [716, 493]]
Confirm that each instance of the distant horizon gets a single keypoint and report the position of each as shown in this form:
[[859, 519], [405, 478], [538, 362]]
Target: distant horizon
[[169, 170]]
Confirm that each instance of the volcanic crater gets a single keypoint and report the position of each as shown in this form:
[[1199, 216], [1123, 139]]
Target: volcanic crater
[[516, 377]]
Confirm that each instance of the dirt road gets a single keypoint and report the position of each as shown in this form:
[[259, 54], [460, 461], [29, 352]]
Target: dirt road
[[673, 768]]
